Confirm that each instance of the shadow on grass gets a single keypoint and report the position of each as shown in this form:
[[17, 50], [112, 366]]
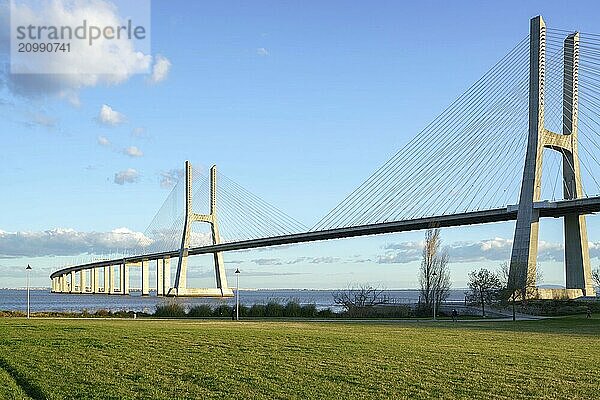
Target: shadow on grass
[[29, 388]]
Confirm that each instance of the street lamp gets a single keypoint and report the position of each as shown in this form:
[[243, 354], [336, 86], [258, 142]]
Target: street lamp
[[237, 294], [434, 275], [28, 270]]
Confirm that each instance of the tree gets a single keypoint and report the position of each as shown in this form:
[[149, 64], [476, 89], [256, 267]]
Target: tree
[[485, 286], [357, 301], [514, 288], [434, 275], [596, 276]]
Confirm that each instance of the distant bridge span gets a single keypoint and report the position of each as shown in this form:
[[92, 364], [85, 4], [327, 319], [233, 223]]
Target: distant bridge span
[[553, 209]]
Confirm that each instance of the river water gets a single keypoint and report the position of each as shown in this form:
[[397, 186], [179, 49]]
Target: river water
[[43, 300]]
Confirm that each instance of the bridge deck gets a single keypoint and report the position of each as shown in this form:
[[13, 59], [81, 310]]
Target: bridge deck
[[546, 208]]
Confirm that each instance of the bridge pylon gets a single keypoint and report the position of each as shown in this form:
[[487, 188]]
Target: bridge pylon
[[180, 287], [523, 260]]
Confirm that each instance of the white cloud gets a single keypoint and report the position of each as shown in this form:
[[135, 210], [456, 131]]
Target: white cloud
[[61, 242], [299, 260], [399, 253], [496, 249], [129, 175], [261, 51], [268, 261], [160, 70], [108, 116], [133, 151], [168, 179], [120, 58], [103, 141]]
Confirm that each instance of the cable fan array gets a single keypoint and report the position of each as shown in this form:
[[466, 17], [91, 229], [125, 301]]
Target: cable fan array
[[241, 215], [471, 157]]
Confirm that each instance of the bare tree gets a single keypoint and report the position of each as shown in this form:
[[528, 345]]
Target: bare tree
[[357, 301], [434, 275], [515, 289], [596, 276], [485, 286]]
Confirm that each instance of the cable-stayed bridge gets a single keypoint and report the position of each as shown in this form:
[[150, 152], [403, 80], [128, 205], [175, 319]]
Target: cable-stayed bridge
[[522, 143]]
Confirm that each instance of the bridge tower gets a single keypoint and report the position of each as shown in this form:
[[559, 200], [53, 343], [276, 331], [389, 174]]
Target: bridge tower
[[180, 288], [523, 260]]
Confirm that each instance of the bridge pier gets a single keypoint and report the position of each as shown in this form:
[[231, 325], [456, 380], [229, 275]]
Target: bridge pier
[[95, 278], [180, 288], [72, 282], [523, 262], [106, 282], [145, 279], [82, 281], [111, 280], [159, 278], [163, 276], [166, 275], [124, 282]]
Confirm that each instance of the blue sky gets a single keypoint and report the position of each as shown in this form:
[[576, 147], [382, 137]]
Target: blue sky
[[297, 101]]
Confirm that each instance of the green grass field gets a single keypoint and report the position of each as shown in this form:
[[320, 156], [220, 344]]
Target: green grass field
[[118, 359]]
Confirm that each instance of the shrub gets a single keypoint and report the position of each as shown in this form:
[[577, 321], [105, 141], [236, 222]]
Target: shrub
[[103, 313], [326, 313], [244, 311], [309, 311], [223, 311], [201, 311], [274, 309], [169, 309], [257, 310], [292, 309]]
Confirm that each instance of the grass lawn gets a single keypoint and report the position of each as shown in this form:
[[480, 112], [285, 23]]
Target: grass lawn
[[119, 359]]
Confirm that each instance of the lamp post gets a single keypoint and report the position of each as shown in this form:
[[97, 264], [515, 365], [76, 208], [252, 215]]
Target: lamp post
[[434, 299], [28, 270], [237, 294]]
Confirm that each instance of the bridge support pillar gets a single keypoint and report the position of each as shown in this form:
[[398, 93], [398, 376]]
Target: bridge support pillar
[[577, 255], [180, 288], [95, 280], [159, 277], [63, 283], [166, 285], [72, 284], [145, 279], [163, 276], [523, 262], [106, 280], [124, 270], [111, 280], [82, 280]]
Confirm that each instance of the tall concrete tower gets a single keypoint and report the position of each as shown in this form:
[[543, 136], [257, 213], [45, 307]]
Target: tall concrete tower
[[180, 288], [523, 261]]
